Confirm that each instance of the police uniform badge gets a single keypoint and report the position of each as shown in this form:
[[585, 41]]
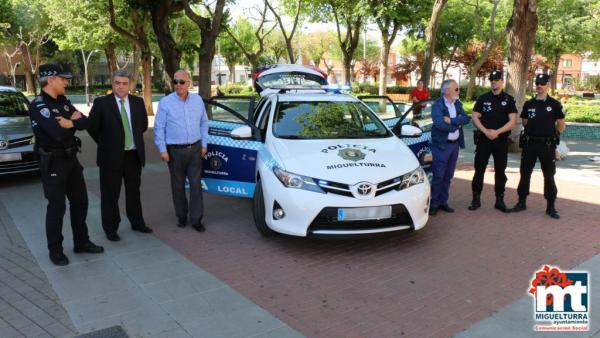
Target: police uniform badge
[[66, 107], [55, 111], [548, 108], [503, 103], [45, 112]]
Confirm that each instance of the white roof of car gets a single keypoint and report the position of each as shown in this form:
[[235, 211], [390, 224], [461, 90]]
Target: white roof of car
[[323, 96], [8, 89], [285, 68]]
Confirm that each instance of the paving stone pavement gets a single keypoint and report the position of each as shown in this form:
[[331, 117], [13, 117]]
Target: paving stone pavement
[[139, 283], [29, 307]]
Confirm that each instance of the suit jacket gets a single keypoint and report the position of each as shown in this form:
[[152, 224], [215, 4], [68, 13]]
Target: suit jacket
[[106, 128], [440, 129]]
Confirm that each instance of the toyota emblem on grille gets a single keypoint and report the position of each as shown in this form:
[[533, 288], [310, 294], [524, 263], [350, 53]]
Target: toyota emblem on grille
[[3, 144], [364, 189]]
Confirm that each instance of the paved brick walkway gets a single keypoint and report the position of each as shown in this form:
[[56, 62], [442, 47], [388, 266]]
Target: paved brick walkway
[[28, 305]]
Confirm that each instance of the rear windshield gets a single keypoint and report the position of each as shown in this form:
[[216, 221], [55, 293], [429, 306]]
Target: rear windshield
[[291, 79], [13, 104]]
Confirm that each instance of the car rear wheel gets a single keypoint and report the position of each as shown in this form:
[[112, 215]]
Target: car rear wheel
[[258, 211]]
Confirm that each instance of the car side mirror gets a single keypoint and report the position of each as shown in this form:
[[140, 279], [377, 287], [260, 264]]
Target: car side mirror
[[241, 133], [410, 131]]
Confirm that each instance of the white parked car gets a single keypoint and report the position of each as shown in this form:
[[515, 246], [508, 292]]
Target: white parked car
[[315, 163]]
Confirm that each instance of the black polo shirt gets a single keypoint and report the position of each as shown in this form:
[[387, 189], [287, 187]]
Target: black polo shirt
[[495, 109], [541, 116]]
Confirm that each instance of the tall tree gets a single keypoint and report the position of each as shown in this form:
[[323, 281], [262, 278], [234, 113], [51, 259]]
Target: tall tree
[[231, 52], [317, 44], [521, 30], [430, 37], [250, 39], [565, 26], [210, 28], [137, 35], [294, 11], [347, 15]]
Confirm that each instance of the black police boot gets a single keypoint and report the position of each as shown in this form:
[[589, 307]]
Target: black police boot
[[476, 202], [520, 206], [88, 247], [500, 203], [551, 210], [58, 257]]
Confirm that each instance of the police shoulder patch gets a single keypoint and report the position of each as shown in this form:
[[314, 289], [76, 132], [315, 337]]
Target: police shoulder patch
[[45, 112]]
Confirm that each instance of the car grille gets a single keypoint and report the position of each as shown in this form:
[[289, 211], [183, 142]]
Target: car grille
[[19, 142], [27, 163], [327, 220], [344, 189]]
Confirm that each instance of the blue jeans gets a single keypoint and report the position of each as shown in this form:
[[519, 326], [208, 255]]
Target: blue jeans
[[443, 165]]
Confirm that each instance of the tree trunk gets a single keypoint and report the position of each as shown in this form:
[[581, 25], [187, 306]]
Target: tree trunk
[[383, 65], [554, 75], [111, 58], [204, 72], [430, 34], [347, 68], [171, 55], [521, 30], [29, 75], [135, 68], [147, 81], [231, 68]]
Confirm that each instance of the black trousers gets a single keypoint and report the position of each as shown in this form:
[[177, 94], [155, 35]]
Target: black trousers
[[63, 177], [110, 190], [533, 150], [186, 162], [498, 148]]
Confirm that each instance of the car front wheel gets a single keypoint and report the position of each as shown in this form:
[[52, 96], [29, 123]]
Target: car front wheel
[[258, 211]]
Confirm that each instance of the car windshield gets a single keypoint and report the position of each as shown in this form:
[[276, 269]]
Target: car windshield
[[13, 104], [326, 120]]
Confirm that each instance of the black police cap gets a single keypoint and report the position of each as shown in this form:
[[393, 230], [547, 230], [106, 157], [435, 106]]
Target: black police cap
[[542, 78], [52, 69], [496, 75]]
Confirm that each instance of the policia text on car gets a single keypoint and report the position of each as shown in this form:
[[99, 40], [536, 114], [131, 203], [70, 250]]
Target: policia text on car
[[54, 121], [543, 120]]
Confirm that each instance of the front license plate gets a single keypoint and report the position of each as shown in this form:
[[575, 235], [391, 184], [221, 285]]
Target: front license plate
[[356, 214], [10, 157]]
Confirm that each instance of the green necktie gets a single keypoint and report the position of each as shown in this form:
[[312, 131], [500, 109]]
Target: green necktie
[[126, 128]]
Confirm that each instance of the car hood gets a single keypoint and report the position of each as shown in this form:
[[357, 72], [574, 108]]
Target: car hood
[[15, 127], [346, 160]]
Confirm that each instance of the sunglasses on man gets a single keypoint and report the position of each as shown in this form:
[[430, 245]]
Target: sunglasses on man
[[179, 82], [540, 84]]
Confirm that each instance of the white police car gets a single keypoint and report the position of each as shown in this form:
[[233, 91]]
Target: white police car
[[315, 163]]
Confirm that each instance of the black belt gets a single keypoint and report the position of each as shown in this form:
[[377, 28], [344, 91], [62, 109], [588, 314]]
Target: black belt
[[539, 138], [178, 146], [452, 141], [59, 151]]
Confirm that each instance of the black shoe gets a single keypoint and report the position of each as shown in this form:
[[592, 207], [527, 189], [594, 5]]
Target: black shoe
[[476, 202], [181, 222], [445, 208], [142, 228], [113, 237], [520, 206], [551, 210], [89, 247], [553, 213], [58, 258], [199, 227], [500, 203], [432, 211]]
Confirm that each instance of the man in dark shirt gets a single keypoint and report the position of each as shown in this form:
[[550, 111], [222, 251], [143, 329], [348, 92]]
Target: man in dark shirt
[[494, 115], [54, 121], [543, 120]]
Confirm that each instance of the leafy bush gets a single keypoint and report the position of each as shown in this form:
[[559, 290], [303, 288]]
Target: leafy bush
[[582, 113], [235, 89]]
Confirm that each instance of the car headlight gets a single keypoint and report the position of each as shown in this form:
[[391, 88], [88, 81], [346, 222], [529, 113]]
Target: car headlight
[[414, 177], [291, 180]]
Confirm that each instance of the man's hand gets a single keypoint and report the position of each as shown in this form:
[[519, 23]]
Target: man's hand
[[164, 156], [203, 152], [76, 115], [447, 120], [492, 134], [64, 123]]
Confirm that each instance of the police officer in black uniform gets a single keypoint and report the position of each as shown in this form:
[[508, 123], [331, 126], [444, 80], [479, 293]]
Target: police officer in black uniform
[[494, 115], [544, 120], [54, 121]]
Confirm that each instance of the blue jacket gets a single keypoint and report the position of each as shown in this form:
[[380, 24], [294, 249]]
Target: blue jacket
[[440, 129]]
